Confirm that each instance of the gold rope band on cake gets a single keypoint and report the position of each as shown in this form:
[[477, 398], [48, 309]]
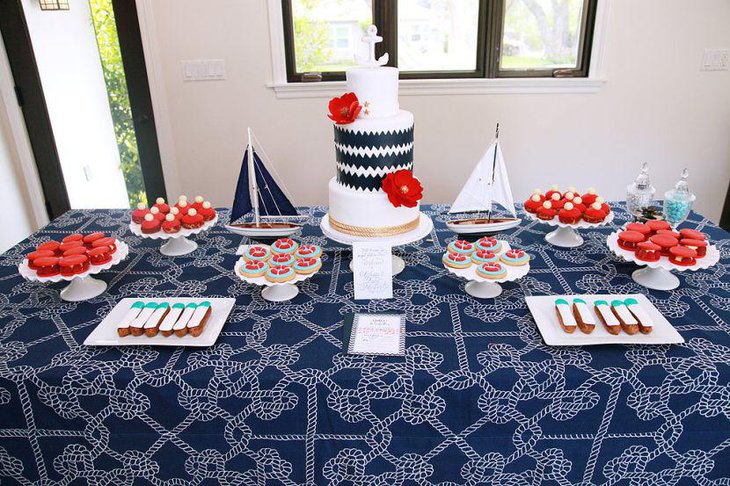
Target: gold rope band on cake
[[372, 232]]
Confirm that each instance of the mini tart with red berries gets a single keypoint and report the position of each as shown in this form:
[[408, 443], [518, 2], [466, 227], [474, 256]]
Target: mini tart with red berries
[[258, 253], [253, 268], [491, 271], [461, 246], [284, 245], [456, 260], [307, 266], [515, 257], [646, 251], [682, 256], [546, 212], [279, 274]]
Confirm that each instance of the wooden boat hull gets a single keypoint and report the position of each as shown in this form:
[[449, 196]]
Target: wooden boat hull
[[470, 226], [264, 230]]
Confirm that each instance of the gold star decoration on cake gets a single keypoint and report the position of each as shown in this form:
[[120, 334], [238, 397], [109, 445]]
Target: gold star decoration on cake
[[367, 108]]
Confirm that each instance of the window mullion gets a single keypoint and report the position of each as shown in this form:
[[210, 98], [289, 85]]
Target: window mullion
[[493, 46]]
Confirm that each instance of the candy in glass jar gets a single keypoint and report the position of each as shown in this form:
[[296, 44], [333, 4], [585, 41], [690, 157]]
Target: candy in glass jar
[[678, 201]]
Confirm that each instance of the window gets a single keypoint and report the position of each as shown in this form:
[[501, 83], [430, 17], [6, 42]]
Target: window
[[442, 38]]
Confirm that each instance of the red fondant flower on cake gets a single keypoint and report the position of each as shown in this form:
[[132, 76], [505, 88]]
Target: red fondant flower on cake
[[344, 110], [402, 188]]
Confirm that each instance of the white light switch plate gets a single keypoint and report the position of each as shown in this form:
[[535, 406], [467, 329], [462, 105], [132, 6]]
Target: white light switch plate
[[715, 60], [203, 70]]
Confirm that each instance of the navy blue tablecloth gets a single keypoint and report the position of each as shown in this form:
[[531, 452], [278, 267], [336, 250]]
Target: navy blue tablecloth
[[478, 397]]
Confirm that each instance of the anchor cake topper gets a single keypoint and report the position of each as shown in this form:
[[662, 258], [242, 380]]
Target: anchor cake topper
[[372, 38]]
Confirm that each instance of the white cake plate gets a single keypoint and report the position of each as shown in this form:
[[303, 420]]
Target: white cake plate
[[82, 286], [566, 236], [425, 225], [657, 275], [486, 288], [274, 291], [176, 244]]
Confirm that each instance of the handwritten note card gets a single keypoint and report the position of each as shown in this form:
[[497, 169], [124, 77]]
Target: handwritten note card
[[378, 334], [372, 265]]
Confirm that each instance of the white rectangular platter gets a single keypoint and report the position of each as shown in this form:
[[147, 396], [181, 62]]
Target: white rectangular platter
[[105, 333], [543, 312]]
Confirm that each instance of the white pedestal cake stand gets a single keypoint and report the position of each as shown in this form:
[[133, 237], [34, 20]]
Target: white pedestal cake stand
[[425, 225], [274, 291], [657, 275], [566, 236], [176, 244], [82, 286], [485, 288]]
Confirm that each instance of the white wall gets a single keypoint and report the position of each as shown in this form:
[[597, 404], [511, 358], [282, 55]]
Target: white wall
[[656, 107], [68, 61]]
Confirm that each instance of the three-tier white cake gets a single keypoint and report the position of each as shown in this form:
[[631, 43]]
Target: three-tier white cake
[[377, 143]]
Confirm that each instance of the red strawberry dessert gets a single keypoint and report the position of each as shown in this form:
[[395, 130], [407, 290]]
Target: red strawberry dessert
[[76, 250], [73, 265], [47, 266], [161, 206], [207, 211], [666, 242], [569, 214], [553, 190], [108, 242], [35, 255], [171, 225], [546, 212], [594, 214], [192, 220], [639, 228], [150, 224], [139, 213], [692, 234], [629, 239], [50, 245], [700, 246], [100, 255], [658, 224], [647, 251], [534, 203], [682, 256], [91, 238], [589, 197]]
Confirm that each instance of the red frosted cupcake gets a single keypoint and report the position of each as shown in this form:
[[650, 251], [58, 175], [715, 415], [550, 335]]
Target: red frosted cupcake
[[604, 207], [589, 197], [682, 256], [594, 214], [35, 255], [579, 205], [557, 201], [700, 246], [100, 255], [647, 251], [546, 212], [197, 203], [161, 205], [629, 239], [150, 224], [159, 216], [569, 214], [533, 204], [554, 189], [171, 225], [47, 266], [183, 205], [73, 265], [207, 211], [192, 220], [665, 242]]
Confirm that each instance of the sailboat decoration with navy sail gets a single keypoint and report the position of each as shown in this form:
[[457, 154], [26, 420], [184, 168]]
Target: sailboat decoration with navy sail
[[259, 195], [487, 184]]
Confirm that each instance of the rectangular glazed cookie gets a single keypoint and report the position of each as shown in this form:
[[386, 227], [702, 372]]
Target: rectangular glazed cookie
[[199, 319], [129, 316], [137, 325], [565, 315], [607, 317], [150, 327], [646, 325], [628, 323], [170, 319], [181, 326], [583, 316]]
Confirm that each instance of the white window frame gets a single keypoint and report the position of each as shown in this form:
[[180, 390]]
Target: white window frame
[[408, 87]]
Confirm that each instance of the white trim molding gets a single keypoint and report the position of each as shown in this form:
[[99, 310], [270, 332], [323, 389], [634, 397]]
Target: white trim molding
[[464, 86]]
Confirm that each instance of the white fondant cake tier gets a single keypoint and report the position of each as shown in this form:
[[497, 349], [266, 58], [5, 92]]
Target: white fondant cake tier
[[378, 87], [365, 209], [402, 120]]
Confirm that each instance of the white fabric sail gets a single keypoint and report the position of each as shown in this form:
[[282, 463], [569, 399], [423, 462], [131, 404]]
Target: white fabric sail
[[479, 193]]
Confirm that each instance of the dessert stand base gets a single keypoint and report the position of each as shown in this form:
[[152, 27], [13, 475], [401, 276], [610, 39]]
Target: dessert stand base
[[564, 237], [83, 288], [483, 290], [178, 247], [655, 278], [280, 293], [398, 265]]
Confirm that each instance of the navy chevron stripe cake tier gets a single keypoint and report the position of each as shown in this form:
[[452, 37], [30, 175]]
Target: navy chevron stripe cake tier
[[385, 138], [385, 157], [360, 182]]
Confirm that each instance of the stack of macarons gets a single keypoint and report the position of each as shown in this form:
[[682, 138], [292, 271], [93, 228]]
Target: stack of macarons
[[655, 239], [73, 255], [170, 219], [487, 254], [569, 207], [281, 261]]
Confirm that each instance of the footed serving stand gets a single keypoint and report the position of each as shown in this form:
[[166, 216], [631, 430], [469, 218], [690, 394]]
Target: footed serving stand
[[658, 275], [425, 226], [82, 286], [273, 291], [566, 235], [176, 244]]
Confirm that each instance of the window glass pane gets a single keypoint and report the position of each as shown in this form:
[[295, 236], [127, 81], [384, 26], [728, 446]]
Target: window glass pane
[[541, 34], [328, 33], [437, 35]]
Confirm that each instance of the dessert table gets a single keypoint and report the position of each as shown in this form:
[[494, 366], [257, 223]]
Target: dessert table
[[478, 398]]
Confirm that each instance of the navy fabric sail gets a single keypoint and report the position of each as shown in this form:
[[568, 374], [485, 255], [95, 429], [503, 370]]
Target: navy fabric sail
[[272, 201]]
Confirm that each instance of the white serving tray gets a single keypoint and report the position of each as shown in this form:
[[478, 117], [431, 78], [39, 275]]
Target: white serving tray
[[545, 316], [105, 333]]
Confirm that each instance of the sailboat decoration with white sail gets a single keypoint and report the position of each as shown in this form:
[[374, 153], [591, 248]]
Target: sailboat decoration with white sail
[[258, 193], [487, 184]]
